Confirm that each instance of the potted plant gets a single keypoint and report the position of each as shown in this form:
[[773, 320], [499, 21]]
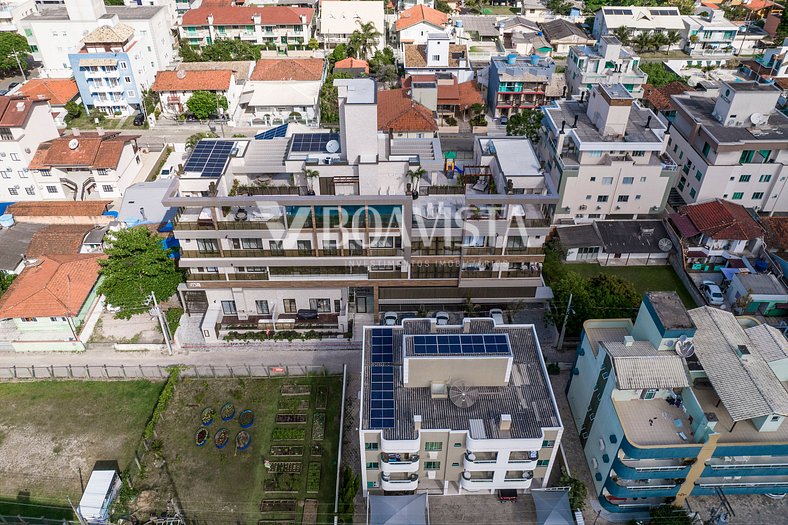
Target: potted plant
[[413, 185], [309, 175]]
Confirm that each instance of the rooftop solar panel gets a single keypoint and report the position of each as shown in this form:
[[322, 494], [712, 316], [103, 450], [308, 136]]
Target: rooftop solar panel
[[273, 133], [382, 348], [381, 413], [209, 157], [460, 344], [312, 142]]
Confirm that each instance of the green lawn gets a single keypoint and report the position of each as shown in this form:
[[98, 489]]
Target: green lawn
[[645, 278], [230, 484], [51, 431]]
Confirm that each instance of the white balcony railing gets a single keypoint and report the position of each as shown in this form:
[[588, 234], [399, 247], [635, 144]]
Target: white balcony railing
[[473, 484], [393, 484], [388, 463]]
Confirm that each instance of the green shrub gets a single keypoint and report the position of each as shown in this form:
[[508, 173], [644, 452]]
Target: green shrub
[[281, 433]]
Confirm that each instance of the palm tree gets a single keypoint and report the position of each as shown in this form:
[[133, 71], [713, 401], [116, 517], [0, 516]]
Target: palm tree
[[624, 34], [414, 176], [672, 38], [658, 40], [364, 39], [309, 175], [642, 40]]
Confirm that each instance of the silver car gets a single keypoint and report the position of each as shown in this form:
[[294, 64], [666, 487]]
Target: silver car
[[712, 293]]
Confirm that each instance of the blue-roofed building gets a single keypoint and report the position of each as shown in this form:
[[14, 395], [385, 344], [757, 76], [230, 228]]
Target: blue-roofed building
[[680, 403], [463, 409]]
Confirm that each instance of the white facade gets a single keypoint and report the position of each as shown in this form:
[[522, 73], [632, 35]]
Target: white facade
[[637, 19], [417, 34], [172, 6], [609, 63], [173, 102], [13, 11], [710, 36], [338, 20]]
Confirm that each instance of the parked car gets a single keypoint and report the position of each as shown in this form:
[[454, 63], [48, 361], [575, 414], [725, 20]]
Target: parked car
[[497, 315], [503, 120], [712, 293], [390, 318], [165, 173], [507, 495], [442, 318], [139, 119], [306, 314], [3, 92], [12, 85]]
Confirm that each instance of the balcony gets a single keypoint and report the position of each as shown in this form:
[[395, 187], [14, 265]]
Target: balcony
[[480, 461], [473, 481], [187, 254], [399, 462], [518, 479], [399, 484], [386, 275]]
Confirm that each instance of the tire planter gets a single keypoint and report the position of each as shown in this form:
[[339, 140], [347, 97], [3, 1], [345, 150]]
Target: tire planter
[[227, 412], [246, 418], [243, 440], [207, 416], [221, 438], [201, 438]]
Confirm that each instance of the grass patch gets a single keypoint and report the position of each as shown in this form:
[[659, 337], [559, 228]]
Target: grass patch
[[313, 478], [281, 433], [24, 506], [173, 315], [645, 278], [54, 429]]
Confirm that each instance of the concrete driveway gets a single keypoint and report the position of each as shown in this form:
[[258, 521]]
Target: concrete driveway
[[482, 509]]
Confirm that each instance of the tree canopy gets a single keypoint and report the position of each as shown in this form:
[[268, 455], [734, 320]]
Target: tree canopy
[[669, 515], [526, 123], [137, 265], [206, 103], [658, 74], [577, 491], [222, 50], [11, 43], [363, 40], [559, 7], [197, 137], [329, 100]]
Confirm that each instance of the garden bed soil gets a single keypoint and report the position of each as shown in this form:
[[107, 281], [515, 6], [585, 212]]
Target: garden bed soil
[[288, 450], [319, 426], [291, 404], [310, 512], [291, 418], [296, 390], [278, 505], [288, 434], [280, 467], [316, 450]]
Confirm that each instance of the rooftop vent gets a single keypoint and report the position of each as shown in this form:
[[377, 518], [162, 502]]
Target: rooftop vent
[[506, 422], [629, 340], [743, 352]]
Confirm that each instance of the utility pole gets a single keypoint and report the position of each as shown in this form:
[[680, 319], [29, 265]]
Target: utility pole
[[563, 326], [156, 309], [18, 63]]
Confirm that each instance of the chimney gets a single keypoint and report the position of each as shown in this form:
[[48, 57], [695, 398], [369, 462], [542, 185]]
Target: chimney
[[629, 340], [648, 122], [99, 131], [574, 124], [563, 125], [505, 423], [303, 20], [582, 95], [75, 132], [20, 106], [417, 423]]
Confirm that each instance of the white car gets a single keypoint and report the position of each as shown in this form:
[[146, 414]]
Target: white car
[[442, 318], [712, 293], [497, 315], [390, 318]]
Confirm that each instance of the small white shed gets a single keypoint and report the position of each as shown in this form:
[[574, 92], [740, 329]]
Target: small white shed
[[100, 492]]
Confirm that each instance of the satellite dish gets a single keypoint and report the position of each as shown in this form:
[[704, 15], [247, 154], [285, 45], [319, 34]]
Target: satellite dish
[[332, 146], [73, 144], [685, 348], [670, 343], [462, 395], [665, 244], [758, 118], [181, 74]]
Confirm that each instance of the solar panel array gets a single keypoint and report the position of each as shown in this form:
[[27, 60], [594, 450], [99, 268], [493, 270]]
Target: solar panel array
[[382, 348], [209, 157], [273, 133], [618, 12], [460, 344], [664, 12], [381, 410], [312, 142]]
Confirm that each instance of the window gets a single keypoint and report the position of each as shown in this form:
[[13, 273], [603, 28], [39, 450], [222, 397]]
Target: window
[[436, 57], [45, 173], [706, 149], [738, 195], [588, 197], [276, 248], [637, 197], [433, 446], [106, 188], [330, 247], [123, 65], [639, 153], [744, 178], [290, 306], [595, 153], [5, 134], [698, 175], [131, 94], [775, 418], [623, 198], [607, 181], [628, 180], [548, 443], [765, 178], [601, 198], [262, 307], [6, 174], [29, 320], [593, 179], [30, 190], [455, 464], [247, 244], [457, 445], [228, 307], [304, 247], [51, 189], [370, 446], [693, 192], [22, 173], [57, 319], [13, 191], [372, 465], [757, 195], [432, 465], [127, 80], [321, 305], [542, 462], [207, 245], [14, 156]]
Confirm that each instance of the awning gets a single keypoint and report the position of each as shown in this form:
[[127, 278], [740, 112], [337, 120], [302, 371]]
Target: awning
[[398, 510], [552, 506]]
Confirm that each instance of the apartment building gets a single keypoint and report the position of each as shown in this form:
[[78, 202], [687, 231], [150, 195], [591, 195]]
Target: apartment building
[[680, 404], [415, 24], [86, 166], [464, 409], [339, 19], [276, 27], [437, 56], [770, 65], [605, 153], [24, 124], [517, 82], [710, 35], [732, 147], [113, 69], [608, 62], [13, 11], [353, 223], [56, 32]]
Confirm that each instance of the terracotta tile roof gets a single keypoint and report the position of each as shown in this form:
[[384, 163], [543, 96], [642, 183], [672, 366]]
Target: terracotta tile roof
[[217, 80], [242, 15], [58, 208], [757, 5], [352, 63], [279, 69], [416, 55], [57, 287], [57, 239], [659, 97], [93, 150], [57, 90], [464, 94], [397, 112], [776, 229], [421, 13], [15, 110], [721, 219]]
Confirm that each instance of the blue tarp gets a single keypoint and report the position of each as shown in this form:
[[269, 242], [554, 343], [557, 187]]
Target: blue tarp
[[3, 206]]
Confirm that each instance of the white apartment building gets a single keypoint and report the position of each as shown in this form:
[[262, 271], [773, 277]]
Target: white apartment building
[[732, 147], [13, 11], [464, 409], [276, 27], [24, 124], [174, 7], [710, 35], [338, 20], [86, 166], [605, 154], [56, 32], [637, 19], [607, 63], [415, 24], [438, 55]]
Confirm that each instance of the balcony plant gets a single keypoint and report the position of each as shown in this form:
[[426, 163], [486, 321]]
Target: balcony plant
[[310, 175], [413, 186]]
